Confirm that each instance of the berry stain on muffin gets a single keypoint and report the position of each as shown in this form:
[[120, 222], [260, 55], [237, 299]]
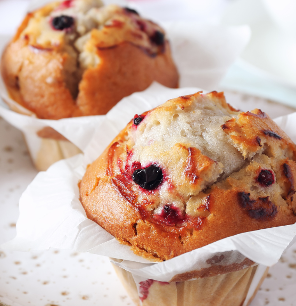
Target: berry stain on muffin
[[170, 215], [65, 5], [144, 287]]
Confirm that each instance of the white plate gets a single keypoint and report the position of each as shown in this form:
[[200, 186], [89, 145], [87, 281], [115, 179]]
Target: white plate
[[56, 278], [271, 51]]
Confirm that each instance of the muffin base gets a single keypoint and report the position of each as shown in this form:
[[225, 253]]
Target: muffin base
[[221, 290]]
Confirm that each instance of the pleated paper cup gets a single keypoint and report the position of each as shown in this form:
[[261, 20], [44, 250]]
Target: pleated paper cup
[[45, 151], [237, 288], [46, 146]]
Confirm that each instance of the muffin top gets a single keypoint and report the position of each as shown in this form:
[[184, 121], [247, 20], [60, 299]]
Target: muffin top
[[190, 153], [191, 172], [80, 27], [85, 25], [78, 57]]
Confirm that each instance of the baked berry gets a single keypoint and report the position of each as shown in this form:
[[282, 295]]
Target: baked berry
[[138, 119], [148, 178], [129, 10], [287, 172], [258, 140], [135, 166], [157, 38], [62, 22], [142, 25], [260, 209], [245, 201], [265, 178], [170, 215], [272, 134]]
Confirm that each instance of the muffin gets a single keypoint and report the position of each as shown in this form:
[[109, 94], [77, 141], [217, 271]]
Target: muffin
[[188, 173], [79, 58]]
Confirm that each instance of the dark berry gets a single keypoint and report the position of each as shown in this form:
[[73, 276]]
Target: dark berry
[[148, 178], [272, 134], [265, 209], [157, 38], [245, 201], [138, 119], [62, 22], [170, 215], [142, 25], [265, 178], [258, 140], [260, 209], [131, 10], [288, 173]]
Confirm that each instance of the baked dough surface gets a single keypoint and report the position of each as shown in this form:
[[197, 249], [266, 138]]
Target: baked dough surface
[[189, 173]]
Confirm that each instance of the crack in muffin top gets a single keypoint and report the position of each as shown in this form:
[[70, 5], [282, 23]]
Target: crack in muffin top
[[185, 142]]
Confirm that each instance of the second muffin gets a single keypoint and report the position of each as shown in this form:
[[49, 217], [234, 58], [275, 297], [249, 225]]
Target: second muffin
[[79, 58]]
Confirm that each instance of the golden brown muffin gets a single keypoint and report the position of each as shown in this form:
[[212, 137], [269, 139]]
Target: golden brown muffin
[[190, 172], [79, 58]]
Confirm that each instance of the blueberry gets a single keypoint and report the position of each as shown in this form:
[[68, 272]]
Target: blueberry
[[265, 178], [157, 38], [62, 22], [148, 178], [129, 10], [138, 119]]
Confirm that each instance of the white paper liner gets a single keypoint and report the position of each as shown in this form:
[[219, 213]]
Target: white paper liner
[[261, 270], [203, 53], [51, 215]]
